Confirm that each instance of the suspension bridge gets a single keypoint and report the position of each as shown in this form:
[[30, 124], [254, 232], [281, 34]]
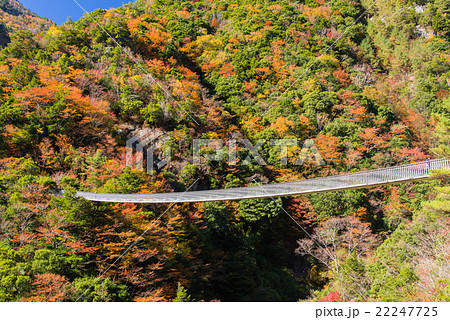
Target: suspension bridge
[[363, 179]]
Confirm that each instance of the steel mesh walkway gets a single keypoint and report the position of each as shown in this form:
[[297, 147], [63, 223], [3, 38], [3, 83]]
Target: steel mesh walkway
[[405, 173]]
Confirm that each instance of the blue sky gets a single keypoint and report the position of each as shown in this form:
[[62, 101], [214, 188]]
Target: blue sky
[[59, 10]]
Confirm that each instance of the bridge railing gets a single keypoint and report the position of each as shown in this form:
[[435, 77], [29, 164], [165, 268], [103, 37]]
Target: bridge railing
[[361, 179], [403, 172], [370, 177]]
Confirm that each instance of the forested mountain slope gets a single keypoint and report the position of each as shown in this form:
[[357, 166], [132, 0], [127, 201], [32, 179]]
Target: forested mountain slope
[[14, 16], [368, 82]]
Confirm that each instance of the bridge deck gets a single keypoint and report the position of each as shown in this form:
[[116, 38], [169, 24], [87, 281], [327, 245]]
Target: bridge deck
[[363, 179]]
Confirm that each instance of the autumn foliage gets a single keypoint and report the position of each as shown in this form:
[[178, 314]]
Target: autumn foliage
[[367, 96]]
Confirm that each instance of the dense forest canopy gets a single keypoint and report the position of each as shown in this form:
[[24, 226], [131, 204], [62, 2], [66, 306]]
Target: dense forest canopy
[[368, 82]]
